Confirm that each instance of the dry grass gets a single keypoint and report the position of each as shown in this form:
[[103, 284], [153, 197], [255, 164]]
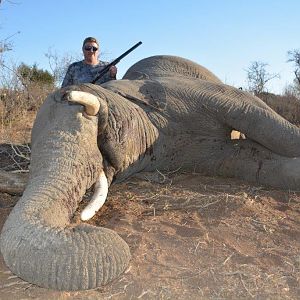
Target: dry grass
[[17, 110], [287, 106], [17, 131], [240, 241]]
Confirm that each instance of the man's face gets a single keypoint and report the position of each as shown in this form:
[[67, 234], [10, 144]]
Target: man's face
[[90, 50]]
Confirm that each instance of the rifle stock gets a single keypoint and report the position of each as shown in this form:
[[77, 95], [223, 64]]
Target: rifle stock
[[114, 62]]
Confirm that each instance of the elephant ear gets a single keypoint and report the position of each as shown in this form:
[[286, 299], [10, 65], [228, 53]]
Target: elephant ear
[[142, 92]]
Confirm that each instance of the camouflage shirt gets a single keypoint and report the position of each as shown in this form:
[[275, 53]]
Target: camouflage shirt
[[80, 72]]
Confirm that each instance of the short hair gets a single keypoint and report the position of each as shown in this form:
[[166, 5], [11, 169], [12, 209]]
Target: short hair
[[91, 40]]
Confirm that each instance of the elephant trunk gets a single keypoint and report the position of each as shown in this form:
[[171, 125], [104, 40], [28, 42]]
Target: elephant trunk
[[39, 242], [56, 254]]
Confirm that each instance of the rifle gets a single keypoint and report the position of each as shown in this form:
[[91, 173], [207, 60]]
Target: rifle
[[113, 63]]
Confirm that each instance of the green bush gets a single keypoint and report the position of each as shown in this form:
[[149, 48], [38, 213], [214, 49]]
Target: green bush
[[35, 75]]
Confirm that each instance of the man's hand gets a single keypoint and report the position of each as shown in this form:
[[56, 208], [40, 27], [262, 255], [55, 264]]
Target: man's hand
[[113, 72]]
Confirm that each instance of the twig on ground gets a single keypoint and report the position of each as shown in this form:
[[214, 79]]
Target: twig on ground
[[244, 285], [19, 153]]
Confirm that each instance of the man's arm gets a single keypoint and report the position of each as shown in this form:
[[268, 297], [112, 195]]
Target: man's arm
[[109, 75]]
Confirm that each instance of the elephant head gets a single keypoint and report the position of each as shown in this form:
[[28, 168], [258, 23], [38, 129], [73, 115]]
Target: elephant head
[[39, 243]]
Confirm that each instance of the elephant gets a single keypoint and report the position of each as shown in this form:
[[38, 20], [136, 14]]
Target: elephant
[[166, 113]]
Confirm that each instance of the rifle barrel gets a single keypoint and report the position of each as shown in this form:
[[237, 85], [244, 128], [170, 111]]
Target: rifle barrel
[[114, 62]]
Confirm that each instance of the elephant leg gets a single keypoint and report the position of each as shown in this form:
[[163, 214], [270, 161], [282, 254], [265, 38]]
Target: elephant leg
[[247, 160]]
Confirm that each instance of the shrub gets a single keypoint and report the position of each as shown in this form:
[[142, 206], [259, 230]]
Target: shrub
[[24, 88], [35, 75]]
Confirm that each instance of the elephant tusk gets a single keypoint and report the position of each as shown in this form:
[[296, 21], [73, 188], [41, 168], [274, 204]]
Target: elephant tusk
[[90, 101], [98, 199]]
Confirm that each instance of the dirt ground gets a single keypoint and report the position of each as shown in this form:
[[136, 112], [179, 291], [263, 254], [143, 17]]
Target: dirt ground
[[191, 237]]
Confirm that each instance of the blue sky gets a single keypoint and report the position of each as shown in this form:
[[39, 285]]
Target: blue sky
[[224, 36]]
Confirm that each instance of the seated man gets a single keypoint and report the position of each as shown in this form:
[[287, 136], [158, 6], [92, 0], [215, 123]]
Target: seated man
[[87, 70]]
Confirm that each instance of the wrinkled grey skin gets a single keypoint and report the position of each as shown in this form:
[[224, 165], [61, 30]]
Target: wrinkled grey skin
[[166, 113]]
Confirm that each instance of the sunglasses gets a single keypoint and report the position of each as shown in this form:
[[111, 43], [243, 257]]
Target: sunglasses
[[90, 48]]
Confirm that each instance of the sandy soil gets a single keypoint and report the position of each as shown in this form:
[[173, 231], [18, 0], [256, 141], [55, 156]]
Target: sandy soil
[[191, 237]]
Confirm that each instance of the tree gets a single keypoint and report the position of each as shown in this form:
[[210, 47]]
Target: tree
[[258, 77], [59, 64], [294, 56], [4, 47], [35, 75]]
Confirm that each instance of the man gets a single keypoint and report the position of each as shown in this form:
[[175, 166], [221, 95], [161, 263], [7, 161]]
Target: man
[[85, 71]]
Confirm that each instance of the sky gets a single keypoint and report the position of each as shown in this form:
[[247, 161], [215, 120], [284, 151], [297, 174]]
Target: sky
[[225, 36]]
